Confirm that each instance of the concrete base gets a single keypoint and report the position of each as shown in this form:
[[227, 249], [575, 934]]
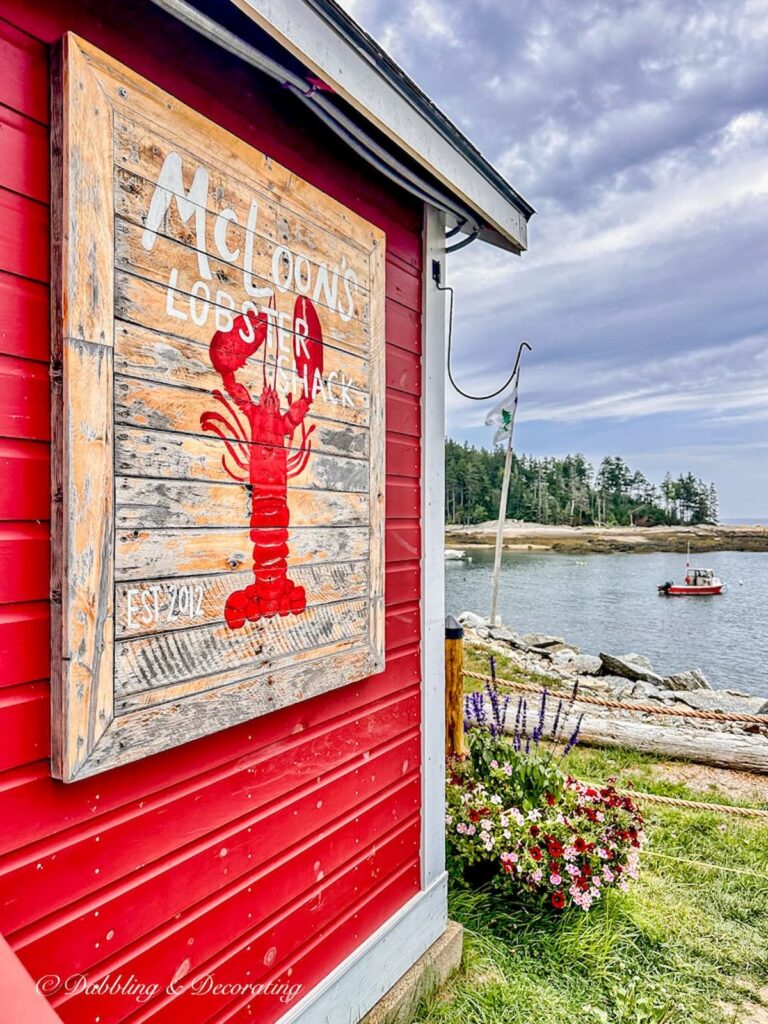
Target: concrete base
[[428, 973]]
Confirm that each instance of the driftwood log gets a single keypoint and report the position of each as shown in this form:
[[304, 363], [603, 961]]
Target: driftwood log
[[741, 748]]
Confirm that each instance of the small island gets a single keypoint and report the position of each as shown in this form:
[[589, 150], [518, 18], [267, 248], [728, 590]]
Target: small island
[[523, 536]]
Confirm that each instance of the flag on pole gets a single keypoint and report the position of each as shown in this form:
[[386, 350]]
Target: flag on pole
[[502, 415]]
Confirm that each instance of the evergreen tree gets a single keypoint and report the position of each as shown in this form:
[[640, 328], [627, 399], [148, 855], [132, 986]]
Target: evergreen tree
[[568, 491]]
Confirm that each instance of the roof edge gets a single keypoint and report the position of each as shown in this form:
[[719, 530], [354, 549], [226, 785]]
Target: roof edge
[[327, 40]]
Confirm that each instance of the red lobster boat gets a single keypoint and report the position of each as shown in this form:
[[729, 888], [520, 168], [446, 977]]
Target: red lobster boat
[[698, 583]]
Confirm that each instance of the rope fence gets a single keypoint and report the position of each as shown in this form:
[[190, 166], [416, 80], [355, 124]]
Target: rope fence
[[695, 805], [604, 702]]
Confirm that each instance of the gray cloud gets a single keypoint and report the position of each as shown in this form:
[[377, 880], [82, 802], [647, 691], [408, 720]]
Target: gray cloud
[[640, 132]]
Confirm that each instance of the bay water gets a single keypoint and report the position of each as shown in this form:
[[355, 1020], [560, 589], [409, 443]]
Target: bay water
[[610, 603]]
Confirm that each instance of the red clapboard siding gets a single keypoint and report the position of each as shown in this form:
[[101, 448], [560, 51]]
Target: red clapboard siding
[[25, 406], [24, 713], [403, 413], [402, 499], [24, 236], [24, 562], [24, 318], [25, 463], [402, 584], [24, 64], [403, 371], [329, 945], [391, 860], [44, 878], [317, 806], [41, 808], [24, 644], [403, 456], [403, 541], [192, 874], [23, 155], [403, 327]]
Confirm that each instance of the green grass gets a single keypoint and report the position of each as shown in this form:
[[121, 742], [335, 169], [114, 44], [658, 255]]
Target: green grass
[[688, 944]]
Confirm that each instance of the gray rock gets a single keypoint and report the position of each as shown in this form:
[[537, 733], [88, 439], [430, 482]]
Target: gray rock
[[542, 640], [586, 664], [483, 632], [622, 666], [718, 700], [502, 633], [639, 659], [579, 664], [647, 691], [763, 709], [691, 680], [472, 621]]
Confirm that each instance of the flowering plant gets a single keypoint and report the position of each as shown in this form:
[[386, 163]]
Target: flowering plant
[[516, 820]]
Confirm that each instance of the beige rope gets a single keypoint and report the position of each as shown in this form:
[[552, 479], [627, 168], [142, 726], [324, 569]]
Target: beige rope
[[706, 864], [697, 805], [711, 716]]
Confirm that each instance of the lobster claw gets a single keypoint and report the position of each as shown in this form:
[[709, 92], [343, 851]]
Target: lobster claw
[[307, 344], [231, 349]]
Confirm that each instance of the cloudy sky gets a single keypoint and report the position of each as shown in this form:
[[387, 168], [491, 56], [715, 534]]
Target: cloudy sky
[[639, 131]]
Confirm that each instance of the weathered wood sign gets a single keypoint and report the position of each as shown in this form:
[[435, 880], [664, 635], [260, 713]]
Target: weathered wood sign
[[218, 425]]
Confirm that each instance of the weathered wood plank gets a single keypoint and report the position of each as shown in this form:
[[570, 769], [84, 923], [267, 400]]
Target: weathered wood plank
[[143, 503], [174, 267], [227, 229], [377, 455], [169, 408], [166, 455], [145, 303], [167, 357], [141, 733], [143, 553], [302, 219], [250, 249], [229, 655], [164, 407], [221, 682], [157, 605], [82, 506]]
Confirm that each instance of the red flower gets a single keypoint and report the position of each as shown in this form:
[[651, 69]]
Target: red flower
[[535, 830], [474, 815], [535, 852], [558, 899], [555, 849], [579, 845], [550, 799]]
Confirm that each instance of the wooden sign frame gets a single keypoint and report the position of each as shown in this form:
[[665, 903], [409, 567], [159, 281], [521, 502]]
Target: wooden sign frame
[[94, 727]]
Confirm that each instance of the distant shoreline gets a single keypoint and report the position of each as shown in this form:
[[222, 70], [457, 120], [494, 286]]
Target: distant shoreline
[[609, 539]]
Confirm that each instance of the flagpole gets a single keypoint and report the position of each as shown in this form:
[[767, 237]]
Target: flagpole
[[500, 528]]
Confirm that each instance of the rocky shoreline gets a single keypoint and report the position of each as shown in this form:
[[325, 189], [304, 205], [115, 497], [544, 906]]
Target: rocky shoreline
[[607, 540], [631, 679]]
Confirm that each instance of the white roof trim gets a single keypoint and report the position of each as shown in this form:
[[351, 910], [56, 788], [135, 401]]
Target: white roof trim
[[316, 43]]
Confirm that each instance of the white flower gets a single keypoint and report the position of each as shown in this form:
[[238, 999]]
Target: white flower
[[495, 799]]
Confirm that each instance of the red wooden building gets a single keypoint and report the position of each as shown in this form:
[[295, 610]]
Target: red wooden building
[[299, 850]]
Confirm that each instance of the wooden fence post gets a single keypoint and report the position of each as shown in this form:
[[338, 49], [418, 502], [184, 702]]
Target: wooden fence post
[[454, 687]]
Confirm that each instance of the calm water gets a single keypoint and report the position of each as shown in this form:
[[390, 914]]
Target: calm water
[[609, 602]]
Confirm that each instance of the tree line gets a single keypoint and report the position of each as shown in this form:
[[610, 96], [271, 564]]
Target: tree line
[[570, 491]]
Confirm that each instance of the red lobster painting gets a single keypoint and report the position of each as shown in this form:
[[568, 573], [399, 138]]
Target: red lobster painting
[[259, 439]]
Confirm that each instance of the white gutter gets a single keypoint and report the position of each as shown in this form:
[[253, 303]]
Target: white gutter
[[317, 44]]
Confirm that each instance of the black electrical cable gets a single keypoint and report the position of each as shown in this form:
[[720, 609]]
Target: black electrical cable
[[436, 273]]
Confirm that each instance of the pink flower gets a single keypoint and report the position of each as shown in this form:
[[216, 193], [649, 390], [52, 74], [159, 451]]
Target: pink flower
[[537, 875], [555, 879]]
